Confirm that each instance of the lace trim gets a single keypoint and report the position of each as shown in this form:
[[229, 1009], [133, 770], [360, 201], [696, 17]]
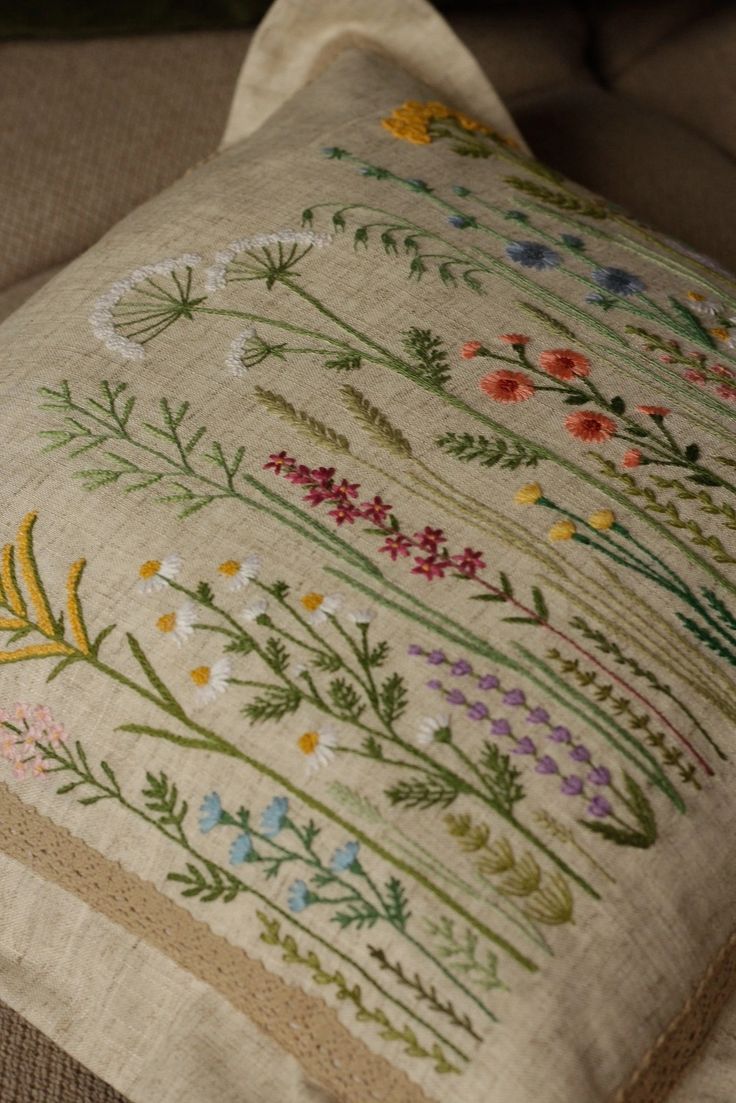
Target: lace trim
[[301, 1024]]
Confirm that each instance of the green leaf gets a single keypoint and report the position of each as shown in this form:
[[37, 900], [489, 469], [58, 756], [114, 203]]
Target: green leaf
[[393, 698], [423, 793], [501, 778], [618, 406], [276, 703], [427, 350], [539, 603], [508, 455], [346, 699], [276, 655], [143, 661]]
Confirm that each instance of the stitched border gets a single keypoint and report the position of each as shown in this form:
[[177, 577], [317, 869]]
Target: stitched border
[[302, 1024]]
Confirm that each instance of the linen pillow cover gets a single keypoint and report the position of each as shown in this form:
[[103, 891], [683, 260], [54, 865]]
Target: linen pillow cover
[[368, 618]]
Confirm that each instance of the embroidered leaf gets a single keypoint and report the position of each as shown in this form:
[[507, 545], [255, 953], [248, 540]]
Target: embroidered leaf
[[461, 952], [562, 200], [393, 697], [372, 748], [359, 915], [346, 699], [375, 422], [424, 991], [276, 655], [423, 793], [552, 904], [553, 324], [642, 811], [379, 654], [349, 362], [303, 422], [429, 355], [274, 704], [397, 903], [327, 661], [540, 604], [488, 453], [162, 797], [706, 637], [501, 777], [210, 885], [144, 662], [692, 324]]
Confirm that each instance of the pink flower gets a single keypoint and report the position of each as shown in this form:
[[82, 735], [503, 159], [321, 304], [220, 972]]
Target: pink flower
[[430, 567], [470, 349], [726, 390], [514, 338], [377, 510], [300, 476], [654, 411], [507, 386], [719, 369], [346, 490], [323, 476], [632, 458], [396, 546], [564, 364], [694, 376], [317, 496], [430, 539], [590, 426], [277, 460], [470, 562], [344, 512]]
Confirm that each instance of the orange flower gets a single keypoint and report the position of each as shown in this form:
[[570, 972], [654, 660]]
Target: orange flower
[[507, 386], [564, 363], [514, 338], [632, 458], [654, 411], [470, 349], [590, 426]]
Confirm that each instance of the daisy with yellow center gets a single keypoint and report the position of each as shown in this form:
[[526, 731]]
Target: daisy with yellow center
[[239, 572], [211, 681], [562, 530], [154, 574], [602, 520], [702, 304], [179, 624], [318, 747], [320, 606], [528, 495]]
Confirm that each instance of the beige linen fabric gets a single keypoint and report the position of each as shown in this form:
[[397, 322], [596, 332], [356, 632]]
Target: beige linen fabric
[[567, 1032]]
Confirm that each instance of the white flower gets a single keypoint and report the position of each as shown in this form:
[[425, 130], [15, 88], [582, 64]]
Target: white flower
[[215, 277], [234, 358], [702, 305], [363, 616], [211, 681], [433, 728], [149, 313], [179, 624], [730, 341], [239, 572], [320, 606], [298, 669], [154, 574], [318, 746], [255, 610]]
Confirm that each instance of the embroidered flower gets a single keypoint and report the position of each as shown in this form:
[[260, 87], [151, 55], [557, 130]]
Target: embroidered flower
[[560, 735], [500, 727], [412, 122], [154, 574], [572, 241], [273, 817], [434, 729], [320, 607], [254, 610], [564, 364], [456, 697], [515, 697], [377, 510], [429, 539], [525, 746], [318, 747], [149, 312], [599, 807], [477, 711], [507, 386], [469, 562], [471, 349], [461, 221], [277, 461], [694, 376], [602, 520], [430, 567], [461, 668], [299, 896], [210, 812], [532, 254], [345, 857], [547, 765], [488, 681], [538, 715], [362, 616], [579, 753], [632, 458], [562, 530], [396, 546], [654, 411], [726, 390], [618, 281], [211, 681], [241, 849], [179, 624], [239, 572], [572, 786], [235, 359], [702, 305], [600, 775], [227, 266], [436, 658], [590, 426], [528, 495]]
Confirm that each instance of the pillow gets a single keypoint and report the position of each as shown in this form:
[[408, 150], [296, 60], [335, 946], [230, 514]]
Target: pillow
[[368, 625]]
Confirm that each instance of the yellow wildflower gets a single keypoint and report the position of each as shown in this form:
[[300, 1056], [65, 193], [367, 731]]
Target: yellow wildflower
[[528, 495], [602, 520], [562, 530]]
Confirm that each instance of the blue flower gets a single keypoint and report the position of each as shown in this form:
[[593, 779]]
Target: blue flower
[[299, 896], [461, 221], [210, 812], [572, 241], [532, 254], [241, 849], [419, 185], [344, 857], [272, 819], [618, 281]]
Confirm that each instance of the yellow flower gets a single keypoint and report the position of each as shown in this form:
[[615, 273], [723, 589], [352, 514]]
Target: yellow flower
[[154, 574], [318, 747], [320, 606], [695, 297], [721, 333], [562, 530], [602, 520], [528, 495], [411, 121]]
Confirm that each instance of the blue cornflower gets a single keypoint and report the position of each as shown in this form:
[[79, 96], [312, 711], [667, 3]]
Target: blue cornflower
[[241, 849], [461, 221], [210, 812], [272, 819], [618, 281], [344, 857], [572, 241], [299, 896], [532, 254]]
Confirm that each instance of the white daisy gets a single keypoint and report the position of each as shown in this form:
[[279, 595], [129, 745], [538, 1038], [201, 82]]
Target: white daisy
[[179, 624], [363, 616], [234, 358], [255, 610], [702, 305], [215, 277], [211, 681], [318, 747], [239, 572], [320, 606], [433, 729], [154, 574], [148, 312]]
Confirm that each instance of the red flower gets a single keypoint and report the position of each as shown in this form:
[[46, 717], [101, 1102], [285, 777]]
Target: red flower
[[726, 390], [377, 510], [300, 476], [564, 363], [514, 338], [323, 476], [346, 490], [344, 512], [470, 562], [632, 458], [719, 369], [693, 376], [654, 411], [471, 349], [507, 386], [590, 426], [396, 546], [317, 495], [277, 460], [430, 567], [430, 539]]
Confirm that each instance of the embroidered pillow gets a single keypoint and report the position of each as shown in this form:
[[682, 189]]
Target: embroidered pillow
[[369, 625]]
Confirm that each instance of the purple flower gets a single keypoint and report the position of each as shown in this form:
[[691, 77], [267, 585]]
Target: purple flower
[[600, 775], [579, 753], [456, 697], [461, 222], [532, 254], [525, 746], [618, 281], [436, 658], [500, 727], [514, 697], [488, 681], [599, 807], [538, 716], [415, 649], [434, 683], [462, 666], [477, 711], [547, 765], [560, 735], [572, 786]]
